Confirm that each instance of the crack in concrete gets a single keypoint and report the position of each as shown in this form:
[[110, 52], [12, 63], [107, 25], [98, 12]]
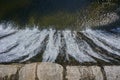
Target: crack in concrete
[[36, 77], [103, 73]]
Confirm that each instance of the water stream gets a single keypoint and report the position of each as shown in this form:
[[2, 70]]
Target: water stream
[[60, 31], [86, 46]]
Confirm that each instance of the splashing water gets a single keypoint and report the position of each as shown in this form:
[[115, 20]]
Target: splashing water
[[21, 45]]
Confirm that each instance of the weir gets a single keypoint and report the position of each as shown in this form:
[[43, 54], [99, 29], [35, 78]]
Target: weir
[[59, 40], [86, 46]]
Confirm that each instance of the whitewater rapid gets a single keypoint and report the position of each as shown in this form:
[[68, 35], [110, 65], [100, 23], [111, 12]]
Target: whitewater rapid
[[92, 46]]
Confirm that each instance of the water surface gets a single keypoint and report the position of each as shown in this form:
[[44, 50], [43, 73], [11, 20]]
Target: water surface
[[66, 32]]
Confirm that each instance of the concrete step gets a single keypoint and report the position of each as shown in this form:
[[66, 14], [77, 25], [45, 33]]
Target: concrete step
[[53, 71]]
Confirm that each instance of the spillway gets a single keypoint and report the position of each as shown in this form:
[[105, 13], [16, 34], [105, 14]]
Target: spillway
[[48, 45]]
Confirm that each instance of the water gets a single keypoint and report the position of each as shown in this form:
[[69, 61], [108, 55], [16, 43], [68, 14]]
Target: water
[[42, 12], [79, 32], [86, 46]]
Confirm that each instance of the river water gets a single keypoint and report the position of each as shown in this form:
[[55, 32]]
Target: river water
[[86, 46], [64, 46]]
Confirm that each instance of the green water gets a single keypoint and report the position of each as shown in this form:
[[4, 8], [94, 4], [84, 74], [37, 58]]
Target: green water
[[58, 14]]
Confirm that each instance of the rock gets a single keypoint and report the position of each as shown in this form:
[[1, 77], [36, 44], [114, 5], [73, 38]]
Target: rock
[[8, 72], [28, 72], [50, 71], [84, 73], [112, 72]]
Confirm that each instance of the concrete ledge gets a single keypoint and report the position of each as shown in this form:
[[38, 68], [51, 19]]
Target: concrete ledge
[[52, 71], [84, 73]]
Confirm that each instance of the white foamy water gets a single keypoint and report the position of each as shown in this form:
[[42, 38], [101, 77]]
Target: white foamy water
[[101, 38], [73, 49], [20, 45], [53, 46], [5, 31]]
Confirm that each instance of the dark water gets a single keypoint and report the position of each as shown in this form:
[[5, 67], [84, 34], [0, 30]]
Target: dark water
[[59, 14], [43, 12]]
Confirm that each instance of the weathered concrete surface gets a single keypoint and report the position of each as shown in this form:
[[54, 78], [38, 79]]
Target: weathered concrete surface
[[84, 73], [112, 72], [8, 72], [52, 71], [48, 71], [28, 72]]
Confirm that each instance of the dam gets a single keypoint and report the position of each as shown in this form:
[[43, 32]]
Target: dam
[[59, 40]]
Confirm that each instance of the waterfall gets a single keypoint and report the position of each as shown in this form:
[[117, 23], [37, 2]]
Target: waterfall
[[21, 45]]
